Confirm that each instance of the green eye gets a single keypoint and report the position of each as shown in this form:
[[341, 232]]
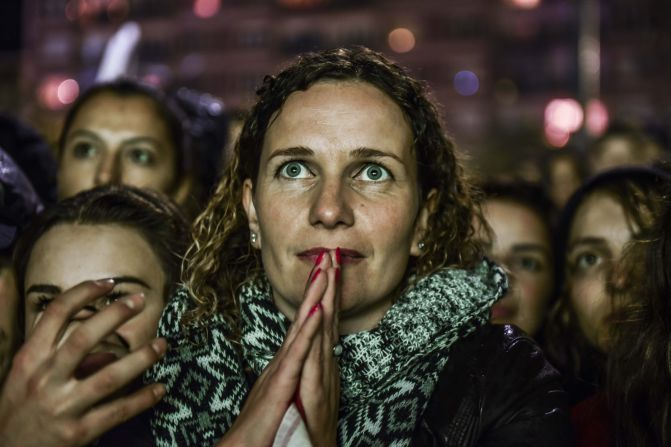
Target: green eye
[[141, 156], [84, 150], [374, 173], [587, 260], [294, 170]]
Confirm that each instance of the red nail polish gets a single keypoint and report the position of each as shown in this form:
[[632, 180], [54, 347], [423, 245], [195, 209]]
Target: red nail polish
[[314, 309], [320, 257], [338, 255], [314, 276]]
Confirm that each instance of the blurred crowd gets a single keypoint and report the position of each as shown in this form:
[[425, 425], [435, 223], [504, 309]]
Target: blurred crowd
[[586, 248]]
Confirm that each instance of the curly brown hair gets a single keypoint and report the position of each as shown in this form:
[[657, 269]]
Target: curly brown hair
[[221, 258]]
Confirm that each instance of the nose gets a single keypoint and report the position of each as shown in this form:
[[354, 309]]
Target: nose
[[109, 169], [331, 206]]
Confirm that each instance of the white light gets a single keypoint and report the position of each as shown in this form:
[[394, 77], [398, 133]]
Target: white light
[[67, 91]]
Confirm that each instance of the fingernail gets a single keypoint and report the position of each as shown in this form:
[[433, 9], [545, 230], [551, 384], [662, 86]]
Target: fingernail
[[338, 255], [159, 346], [104, 282], [314, 309], [158, 390], [320, 257], [314, 276], [133, 301]]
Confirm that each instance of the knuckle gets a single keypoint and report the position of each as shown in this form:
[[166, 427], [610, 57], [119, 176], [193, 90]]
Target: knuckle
[[120, 413], [108, 382], [57, 309], [72, 432], [79, 340]]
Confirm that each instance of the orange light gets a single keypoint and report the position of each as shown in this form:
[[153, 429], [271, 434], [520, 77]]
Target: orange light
[[401, 40]]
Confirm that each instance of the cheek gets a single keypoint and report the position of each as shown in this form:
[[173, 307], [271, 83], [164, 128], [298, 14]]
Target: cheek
[[535, 291], [74, 177]]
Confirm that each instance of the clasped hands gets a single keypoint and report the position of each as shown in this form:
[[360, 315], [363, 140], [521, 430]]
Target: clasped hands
[[304, 369]]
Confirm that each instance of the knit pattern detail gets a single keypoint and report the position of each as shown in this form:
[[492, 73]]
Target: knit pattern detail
[[387, 373]]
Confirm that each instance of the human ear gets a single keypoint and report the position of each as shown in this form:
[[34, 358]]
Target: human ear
[[422, 222], [250, 210]]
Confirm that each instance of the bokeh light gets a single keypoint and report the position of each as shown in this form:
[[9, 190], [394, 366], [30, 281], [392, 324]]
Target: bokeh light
[[206, 8], [563, 116], [401, 40], [67, 91], [466, 83], [596, 120], [47, 92], [525, 4]]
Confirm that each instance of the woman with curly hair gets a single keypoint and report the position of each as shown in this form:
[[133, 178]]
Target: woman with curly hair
[[335, 292]]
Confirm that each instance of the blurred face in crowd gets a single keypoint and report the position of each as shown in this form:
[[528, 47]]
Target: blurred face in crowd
[[337, 169], [521, 243], [68, 254], [599, 232], [120, 140], [623, 150], [9, 333]]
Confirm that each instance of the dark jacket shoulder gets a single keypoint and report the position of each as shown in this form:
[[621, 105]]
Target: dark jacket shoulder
[[497, 390]]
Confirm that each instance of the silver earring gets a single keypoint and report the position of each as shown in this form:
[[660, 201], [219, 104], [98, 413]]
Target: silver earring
[[421, 245], [252, 237]]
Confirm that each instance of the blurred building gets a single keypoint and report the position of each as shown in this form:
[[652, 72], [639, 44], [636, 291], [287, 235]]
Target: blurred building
[[494, 65]]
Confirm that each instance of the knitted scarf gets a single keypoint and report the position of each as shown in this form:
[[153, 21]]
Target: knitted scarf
[[387, 373]]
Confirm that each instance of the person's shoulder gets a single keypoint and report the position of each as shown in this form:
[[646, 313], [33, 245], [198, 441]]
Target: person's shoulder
[[498, 389]]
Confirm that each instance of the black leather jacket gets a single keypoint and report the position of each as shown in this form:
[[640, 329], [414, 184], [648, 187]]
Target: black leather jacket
[[497, 390]]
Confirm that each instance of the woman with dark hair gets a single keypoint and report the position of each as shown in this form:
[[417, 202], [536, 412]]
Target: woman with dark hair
[[520, 237], [601, 219], [638, 370], [94, 273], [126, 132], [335, 291]]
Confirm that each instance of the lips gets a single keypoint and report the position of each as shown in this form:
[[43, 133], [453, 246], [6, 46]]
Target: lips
[[93, 363], [347, 256], [501, 312]]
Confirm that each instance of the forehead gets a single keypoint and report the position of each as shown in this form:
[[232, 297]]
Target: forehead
[[68, 254], [601, 216], [515, 223], [340, 115], [129, 113]]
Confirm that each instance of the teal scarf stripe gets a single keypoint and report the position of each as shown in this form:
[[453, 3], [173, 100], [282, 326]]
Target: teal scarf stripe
[[387, 374]]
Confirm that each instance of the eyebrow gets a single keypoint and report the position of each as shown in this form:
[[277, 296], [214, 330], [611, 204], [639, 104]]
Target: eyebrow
[[590, 240], [55, 290], [530, 247], [94, 136], [361, 152]]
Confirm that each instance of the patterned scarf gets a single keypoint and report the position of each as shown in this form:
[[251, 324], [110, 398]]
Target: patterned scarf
[[387, 373]]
